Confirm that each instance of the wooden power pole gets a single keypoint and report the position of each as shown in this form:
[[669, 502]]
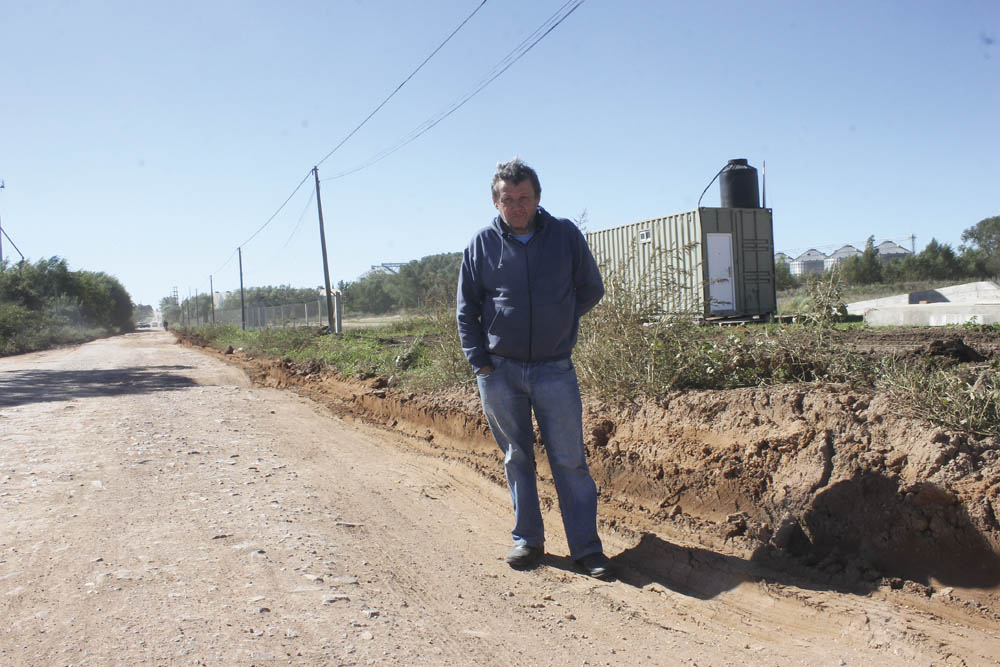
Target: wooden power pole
[[326, 264]]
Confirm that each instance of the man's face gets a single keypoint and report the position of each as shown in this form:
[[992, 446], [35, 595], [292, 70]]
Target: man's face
[[517, 204]]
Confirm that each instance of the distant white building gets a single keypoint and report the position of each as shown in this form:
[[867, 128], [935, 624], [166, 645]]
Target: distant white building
[[839, 256], [811, 261], [814, 261], [888, 250]]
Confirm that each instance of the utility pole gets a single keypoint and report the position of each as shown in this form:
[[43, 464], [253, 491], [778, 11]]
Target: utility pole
[[243, 308], [2, 187], [763, 174], [326, 264], [211, 295]]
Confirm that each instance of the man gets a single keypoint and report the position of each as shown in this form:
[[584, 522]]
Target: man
[[524, 283]]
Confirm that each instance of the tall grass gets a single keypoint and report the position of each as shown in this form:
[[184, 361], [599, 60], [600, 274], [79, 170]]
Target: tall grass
[[445, 364], [631, 345], [422, 352]]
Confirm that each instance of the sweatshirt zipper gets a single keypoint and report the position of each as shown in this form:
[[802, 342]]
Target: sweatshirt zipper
[[531, 310]]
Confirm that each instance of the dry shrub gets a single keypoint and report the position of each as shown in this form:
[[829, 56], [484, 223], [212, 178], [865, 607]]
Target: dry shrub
[[631, 345], [963, 398], [824, 304], [628, 346]]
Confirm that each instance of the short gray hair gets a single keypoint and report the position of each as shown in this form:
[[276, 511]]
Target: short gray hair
[[515, 171]]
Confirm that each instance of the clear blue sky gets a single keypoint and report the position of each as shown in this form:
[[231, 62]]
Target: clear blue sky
[[149, 140]]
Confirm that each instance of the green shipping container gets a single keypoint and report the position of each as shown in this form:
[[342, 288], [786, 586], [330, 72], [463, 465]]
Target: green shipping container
[[712, 262]]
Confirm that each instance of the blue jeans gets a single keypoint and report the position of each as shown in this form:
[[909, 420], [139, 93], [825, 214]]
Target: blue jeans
[[509, 395]]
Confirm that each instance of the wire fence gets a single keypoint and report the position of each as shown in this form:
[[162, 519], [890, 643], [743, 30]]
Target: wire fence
[[310, 313]]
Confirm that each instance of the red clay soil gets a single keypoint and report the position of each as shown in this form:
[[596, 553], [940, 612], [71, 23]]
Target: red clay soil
[[821, 482]]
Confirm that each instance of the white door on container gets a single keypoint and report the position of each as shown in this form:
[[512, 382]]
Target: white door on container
[[720, 272]]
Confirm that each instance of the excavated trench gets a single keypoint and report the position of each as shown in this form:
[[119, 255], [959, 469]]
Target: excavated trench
[[821, 480]]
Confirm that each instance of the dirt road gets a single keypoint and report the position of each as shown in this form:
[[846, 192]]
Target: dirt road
[[157, 509]]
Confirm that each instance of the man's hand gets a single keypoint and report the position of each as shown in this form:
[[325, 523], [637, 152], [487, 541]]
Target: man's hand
[[485, 370]]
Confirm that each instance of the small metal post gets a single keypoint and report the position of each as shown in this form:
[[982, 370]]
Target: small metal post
[[339, 312]]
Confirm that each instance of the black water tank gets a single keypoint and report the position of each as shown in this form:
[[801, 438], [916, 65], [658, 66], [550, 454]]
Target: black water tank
[[738, 185]]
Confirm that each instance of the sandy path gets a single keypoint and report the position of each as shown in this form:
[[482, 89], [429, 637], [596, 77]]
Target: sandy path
[[156, 509]]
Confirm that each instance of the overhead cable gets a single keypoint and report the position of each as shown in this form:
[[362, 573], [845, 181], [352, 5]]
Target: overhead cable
[[266, 223], [224, 264], [400, 86], [298, 225], [302, 216], [283, 205], [12, 243], [353, 132], [515, 54]]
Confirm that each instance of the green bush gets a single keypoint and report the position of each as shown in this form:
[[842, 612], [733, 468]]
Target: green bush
[[65, 306], [22, 330]]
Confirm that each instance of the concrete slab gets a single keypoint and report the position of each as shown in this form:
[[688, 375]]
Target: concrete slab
[[983, 292], [932, 315], [977, 302]]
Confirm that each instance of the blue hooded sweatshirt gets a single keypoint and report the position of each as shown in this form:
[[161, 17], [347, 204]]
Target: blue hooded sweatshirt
[[524, 300]]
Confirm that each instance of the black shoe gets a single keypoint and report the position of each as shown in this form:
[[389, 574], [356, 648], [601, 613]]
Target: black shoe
[[523, 557], [595, 565]]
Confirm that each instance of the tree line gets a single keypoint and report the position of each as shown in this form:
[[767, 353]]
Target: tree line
[[431, 282], [44, 304], [420, 284], [978, 258], [423, 283]]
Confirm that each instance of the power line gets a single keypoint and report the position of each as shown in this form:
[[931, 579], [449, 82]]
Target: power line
[[302, 216], [400, 86], [224, 265], [12, 243], [298, 226], [350, 134], [512, 57], [266, 223], [283, 205]]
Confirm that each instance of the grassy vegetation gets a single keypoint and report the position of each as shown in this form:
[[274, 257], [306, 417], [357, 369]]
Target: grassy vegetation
[[627, 351], [23, 330], [44, 304], [423, 352]]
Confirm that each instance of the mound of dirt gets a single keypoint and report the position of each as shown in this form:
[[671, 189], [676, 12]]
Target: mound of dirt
[[831, 477], [821, 478], [974, 343]]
